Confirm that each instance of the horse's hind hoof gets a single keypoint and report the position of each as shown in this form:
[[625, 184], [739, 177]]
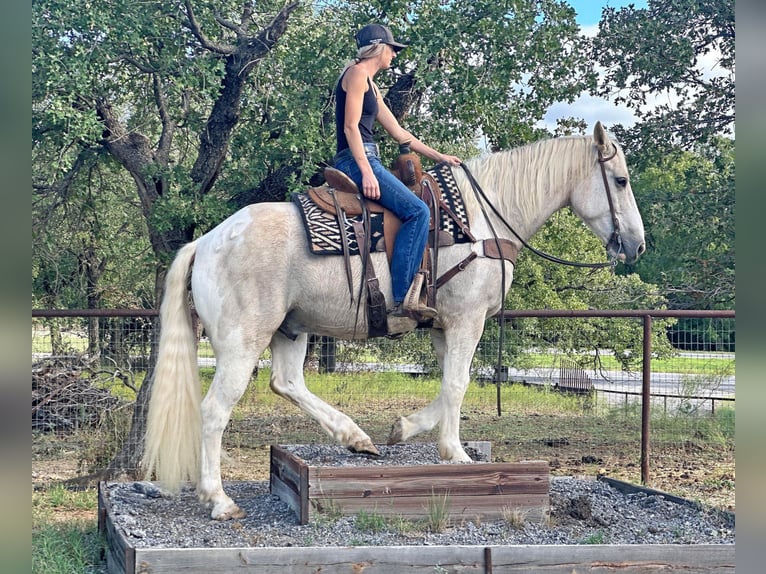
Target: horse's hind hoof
[[233, 513], [365, 447]]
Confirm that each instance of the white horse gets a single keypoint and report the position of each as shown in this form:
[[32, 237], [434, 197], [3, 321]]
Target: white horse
[[254, 273]]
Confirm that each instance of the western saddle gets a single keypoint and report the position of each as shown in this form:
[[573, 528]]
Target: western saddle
[[342, 198]]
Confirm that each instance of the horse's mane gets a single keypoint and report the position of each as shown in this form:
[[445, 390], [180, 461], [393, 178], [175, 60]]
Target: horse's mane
[[531, 174]]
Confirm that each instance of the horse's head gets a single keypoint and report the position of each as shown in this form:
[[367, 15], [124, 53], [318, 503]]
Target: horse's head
[[605, 201]]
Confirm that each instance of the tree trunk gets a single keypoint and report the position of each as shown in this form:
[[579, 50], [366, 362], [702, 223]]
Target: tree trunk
[[136, 154]]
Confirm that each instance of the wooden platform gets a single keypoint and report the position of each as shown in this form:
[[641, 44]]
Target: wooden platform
[[484, 491], [123, 558]]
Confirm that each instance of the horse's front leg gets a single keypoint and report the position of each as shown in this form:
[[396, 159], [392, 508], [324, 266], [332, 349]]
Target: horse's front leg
[[454, 349], [287, 381]]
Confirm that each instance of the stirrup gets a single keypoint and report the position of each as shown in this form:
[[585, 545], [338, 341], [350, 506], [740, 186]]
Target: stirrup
[[412, 301], [398, 310]]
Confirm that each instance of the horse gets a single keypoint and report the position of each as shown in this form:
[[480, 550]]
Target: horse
[[255, 284]]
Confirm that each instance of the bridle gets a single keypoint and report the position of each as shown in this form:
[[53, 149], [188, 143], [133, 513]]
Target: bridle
[[616, 238]]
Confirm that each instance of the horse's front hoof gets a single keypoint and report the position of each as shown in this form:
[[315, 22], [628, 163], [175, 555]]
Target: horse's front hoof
[[397, 433], [364, 447], [456, 455]]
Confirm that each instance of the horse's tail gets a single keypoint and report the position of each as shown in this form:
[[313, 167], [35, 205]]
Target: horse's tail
[[173, 423]]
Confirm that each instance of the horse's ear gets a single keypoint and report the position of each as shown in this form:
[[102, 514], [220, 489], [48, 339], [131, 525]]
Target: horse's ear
[[600, 137]]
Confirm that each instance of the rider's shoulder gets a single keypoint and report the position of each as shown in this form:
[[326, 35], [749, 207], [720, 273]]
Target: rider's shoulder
[[356, 76]]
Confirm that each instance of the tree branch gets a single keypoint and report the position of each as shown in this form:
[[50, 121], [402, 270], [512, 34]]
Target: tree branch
[[239, 29], [214, 139], [196, 29], [168, 125]]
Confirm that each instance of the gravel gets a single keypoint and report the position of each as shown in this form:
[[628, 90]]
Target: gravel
[[583, 511]]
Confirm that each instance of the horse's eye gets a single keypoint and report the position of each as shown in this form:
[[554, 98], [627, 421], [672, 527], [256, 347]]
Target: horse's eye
[[621, 181]]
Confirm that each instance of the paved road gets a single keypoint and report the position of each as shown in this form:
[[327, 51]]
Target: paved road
[[661, 383]]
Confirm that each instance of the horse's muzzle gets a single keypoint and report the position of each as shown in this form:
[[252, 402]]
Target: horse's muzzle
[[624, 252]]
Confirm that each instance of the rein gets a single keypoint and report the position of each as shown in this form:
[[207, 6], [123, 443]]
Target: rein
[[615, 235]]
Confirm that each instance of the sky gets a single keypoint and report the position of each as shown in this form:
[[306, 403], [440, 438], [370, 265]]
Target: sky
[[588, 107], [589, 11]]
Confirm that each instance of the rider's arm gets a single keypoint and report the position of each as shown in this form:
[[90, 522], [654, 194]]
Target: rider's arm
[[387, 119]]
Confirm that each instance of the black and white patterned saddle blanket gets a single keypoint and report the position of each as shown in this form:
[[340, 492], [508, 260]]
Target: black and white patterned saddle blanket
[[325, 237]]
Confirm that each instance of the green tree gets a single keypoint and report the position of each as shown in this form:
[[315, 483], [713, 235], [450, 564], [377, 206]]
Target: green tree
[[473, 68], [689, 201], [657, 53], [680, 53], [158, 86], [89, 246]]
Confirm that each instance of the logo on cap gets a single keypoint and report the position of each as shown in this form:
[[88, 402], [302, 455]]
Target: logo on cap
[[373, 34]]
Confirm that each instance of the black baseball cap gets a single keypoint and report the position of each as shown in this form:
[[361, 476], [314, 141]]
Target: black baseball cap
[[373, 34]]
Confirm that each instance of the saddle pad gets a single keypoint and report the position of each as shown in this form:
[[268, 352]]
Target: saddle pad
[[323, 231], [442, 173]]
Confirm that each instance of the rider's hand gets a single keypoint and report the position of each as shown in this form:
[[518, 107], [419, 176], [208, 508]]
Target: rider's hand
[[370, 187], [451, 159]]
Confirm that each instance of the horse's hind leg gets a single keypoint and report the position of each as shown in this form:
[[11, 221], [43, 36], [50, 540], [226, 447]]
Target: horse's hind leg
[[287, 381], [234, 367]]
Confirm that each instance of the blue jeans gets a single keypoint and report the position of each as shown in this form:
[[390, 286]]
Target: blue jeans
[[408, 207]]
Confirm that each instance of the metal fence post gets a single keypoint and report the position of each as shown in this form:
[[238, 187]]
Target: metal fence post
[[646, 393]]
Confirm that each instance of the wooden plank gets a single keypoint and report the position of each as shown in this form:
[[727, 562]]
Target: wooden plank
[[285, 494], [310, 560], [628, 488], [120, 555], [460, 508], [488, 479], [287, 466], [288, 479], [603, 559], [545, 559], [304, 496], [451, 469], [420, 502]]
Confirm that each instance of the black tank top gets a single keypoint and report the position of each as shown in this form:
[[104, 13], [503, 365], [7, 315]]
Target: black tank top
[[366, 121]]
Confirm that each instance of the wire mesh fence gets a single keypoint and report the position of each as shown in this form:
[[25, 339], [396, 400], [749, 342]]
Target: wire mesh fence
[[522, 395]]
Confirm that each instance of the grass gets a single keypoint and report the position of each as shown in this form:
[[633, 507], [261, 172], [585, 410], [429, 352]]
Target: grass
[[514, 517], [65, 535], [370, 522], [595, 538], [438, 515]]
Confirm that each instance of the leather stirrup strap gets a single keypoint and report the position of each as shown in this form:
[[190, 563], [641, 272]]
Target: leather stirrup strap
[[455, 269], [431, 262], [377, 325], [341, 216]]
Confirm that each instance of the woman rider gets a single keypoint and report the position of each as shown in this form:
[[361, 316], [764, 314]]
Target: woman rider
[[358, 105]]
